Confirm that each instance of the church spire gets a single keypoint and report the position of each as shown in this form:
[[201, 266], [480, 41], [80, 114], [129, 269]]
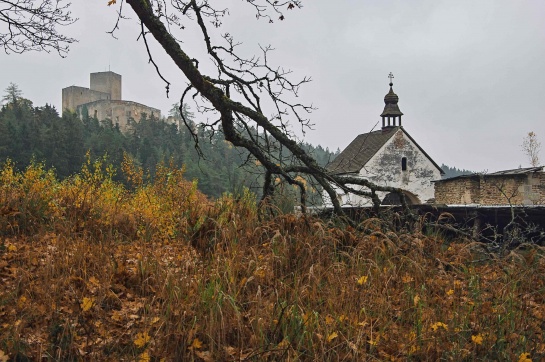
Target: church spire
[[391, 109]]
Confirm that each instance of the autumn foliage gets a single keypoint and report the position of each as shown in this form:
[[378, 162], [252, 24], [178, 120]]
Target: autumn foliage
[[94, 270]]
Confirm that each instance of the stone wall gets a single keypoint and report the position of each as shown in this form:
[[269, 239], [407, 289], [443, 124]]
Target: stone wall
[[118, 111], [461, 191], [502, 190], [522, 189], [73, 96], [534, 191]]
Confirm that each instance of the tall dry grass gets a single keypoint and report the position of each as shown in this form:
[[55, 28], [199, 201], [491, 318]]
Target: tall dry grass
[[92, 270]]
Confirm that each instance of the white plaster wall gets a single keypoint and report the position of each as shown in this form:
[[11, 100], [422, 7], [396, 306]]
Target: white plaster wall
[[384, 169]]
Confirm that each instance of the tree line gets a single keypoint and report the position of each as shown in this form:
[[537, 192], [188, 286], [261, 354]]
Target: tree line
[[62, 142], [453, 171]]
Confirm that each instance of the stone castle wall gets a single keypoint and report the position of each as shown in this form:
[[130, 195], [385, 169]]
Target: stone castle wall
[[73, 96], [118, 111]]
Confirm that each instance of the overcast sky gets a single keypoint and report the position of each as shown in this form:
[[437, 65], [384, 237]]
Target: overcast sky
[[470, 75]]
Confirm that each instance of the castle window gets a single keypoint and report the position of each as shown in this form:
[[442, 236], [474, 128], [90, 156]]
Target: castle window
[[404, 164]]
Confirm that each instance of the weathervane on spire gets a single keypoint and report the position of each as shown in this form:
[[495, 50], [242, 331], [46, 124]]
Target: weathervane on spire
[[391, 76]]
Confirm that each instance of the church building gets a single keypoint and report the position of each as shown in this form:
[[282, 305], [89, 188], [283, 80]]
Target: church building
[[387, 157]]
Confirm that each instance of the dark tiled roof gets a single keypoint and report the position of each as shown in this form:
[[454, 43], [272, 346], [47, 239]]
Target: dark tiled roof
[[513, 172], [360, 151]]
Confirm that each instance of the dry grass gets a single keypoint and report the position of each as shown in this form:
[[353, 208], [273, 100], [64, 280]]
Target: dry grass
[[90, 270]]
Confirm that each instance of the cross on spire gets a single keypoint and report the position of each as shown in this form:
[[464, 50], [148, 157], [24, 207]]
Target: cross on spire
[[391, 76]]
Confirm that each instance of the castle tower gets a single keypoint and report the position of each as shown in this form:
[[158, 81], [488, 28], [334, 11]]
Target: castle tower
[[391, 110], [107, 82], [103, 101]]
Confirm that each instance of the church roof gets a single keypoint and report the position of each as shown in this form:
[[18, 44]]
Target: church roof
[[360, 151], [363, 148]]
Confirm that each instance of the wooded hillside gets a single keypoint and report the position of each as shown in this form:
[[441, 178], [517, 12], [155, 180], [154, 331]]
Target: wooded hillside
[[40, 133]]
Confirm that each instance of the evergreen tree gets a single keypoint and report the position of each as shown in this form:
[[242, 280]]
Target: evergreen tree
[[453, 171], [12, 94]]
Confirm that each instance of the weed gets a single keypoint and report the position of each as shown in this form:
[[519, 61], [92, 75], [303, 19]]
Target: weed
[[92, 270]]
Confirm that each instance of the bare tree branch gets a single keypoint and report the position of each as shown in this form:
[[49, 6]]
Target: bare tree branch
[[32, 25], [243, 90]]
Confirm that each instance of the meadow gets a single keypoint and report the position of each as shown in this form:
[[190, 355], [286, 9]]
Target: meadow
[[152, 270]]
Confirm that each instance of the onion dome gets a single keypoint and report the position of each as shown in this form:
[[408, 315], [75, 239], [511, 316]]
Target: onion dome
[[391, 109]]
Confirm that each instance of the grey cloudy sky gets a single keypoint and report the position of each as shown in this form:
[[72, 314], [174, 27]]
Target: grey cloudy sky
[[470, 74]]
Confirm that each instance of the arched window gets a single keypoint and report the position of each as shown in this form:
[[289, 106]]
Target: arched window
[[404, 164]]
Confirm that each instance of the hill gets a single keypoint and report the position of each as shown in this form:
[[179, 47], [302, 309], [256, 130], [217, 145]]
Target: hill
[[40, 133]]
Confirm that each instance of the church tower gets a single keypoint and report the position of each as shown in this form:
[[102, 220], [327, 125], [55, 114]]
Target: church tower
[[391, 116]]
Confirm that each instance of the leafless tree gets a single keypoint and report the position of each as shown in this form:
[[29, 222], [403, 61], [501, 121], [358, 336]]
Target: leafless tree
[[531, 147], [251, 101], [27, 25]]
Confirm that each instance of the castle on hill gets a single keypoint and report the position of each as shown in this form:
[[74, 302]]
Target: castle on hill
[[102, 100]]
